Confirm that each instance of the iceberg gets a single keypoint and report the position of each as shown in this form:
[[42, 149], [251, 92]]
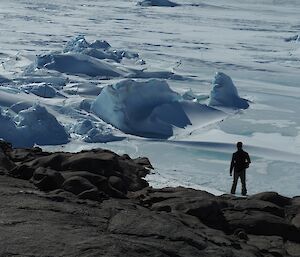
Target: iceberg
[[99, 49], [165, 3], [79, 43], [34, 125], [225, 94], [3, 80], [100, 136], [148, 109], [43, 90], [83, 127]]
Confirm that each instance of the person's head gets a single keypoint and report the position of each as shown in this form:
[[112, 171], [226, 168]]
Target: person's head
[[239, 145]]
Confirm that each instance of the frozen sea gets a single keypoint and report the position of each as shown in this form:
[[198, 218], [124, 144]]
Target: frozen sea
[[255, 42]]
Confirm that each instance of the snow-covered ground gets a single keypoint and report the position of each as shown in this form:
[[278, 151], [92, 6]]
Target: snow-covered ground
[[82, 75]]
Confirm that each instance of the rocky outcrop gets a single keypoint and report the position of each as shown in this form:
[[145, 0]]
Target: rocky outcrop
[[96, 203], [96, 174]]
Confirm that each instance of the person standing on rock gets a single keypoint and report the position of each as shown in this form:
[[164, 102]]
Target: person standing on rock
[[239, 163]]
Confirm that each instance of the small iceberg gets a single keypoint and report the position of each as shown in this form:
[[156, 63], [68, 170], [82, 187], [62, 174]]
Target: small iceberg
[[34, 125], [225, 94], [163, 3], [43, 90], [3, 80]]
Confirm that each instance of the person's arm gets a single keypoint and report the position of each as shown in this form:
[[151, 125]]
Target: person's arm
[[231, 165], [248, 158]]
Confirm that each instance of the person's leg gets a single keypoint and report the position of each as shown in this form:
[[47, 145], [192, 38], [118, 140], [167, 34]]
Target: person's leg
[[243, 180], [235, 179]]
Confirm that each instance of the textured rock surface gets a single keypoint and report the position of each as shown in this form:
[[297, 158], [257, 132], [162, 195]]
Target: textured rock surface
[[96, 203]]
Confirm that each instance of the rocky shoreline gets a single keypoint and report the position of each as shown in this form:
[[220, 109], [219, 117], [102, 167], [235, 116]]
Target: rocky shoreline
[[96, 203]]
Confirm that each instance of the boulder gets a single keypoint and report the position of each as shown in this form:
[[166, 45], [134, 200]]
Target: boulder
[[47, 179], [77, 185], [22, 172], [101, 162], [93, 194], [272, 197], [261, 223]]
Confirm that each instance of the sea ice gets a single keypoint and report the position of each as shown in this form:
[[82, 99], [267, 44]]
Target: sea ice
[[224, 93], [76, 63], [166, 3], [154, 74]]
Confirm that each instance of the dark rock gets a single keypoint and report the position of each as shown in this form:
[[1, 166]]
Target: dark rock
[[250, 204], [133, 174], [22, 172], [241, 234], [99, 181], [118, 184], [102, 163], [5, 146], [100, 205], [28, 154], [151, 224], [52, 161], [5, 163], [77, 185], [261, 223], [292, 248], [296, 221], [143, 161], [47, 180], [272, 197], [271, 244], [93, 194]]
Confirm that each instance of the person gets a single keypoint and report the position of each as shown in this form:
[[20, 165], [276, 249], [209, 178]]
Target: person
[[239, 163]]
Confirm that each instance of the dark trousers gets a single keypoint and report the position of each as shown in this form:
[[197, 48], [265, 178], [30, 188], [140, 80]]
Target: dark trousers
[[242, 175]]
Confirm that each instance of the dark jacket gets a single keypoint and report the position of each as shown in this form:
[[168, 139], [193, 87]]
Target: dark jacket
[[240, 161]]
